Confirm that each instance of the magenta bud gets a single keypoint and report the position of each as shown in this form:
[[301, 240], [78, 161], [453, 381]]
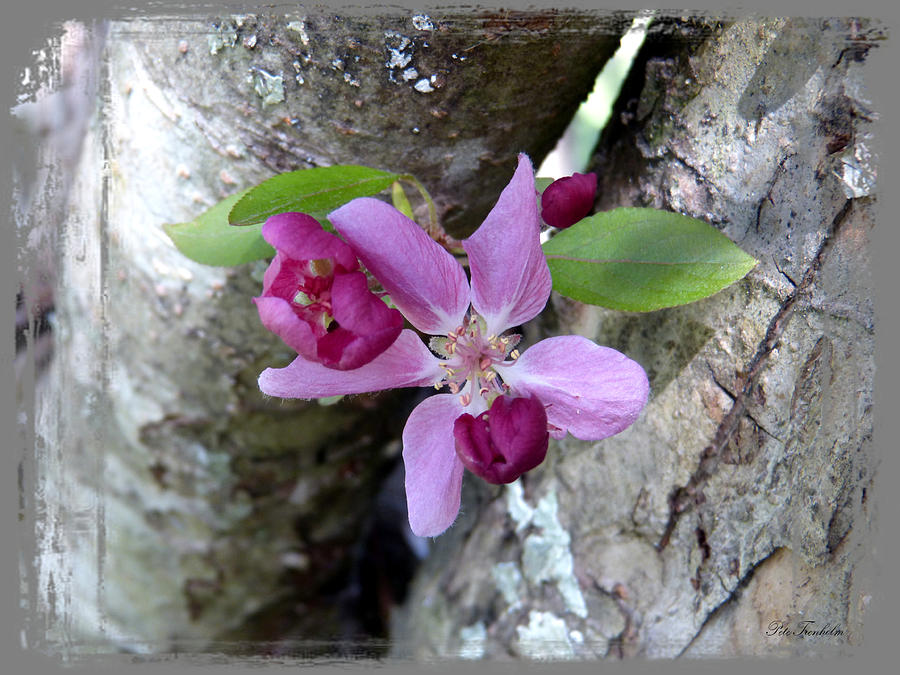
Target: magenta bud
[[568, 200], [506, 441]]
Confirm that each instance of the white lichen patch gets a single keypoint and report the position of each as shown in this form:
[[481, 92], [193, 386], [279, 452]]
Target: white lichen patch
[[398, 57], [424, 86], [545, 554], [509, 582], [224, 37], [422, 22], [410, 74], [299, 27], [545, 637], [858, 171], [517, 507], [472, 638], [269, 87]]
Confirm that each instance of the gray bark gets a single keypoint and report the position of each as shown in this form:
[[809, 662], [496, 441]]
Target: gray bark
[[739, 497], [174, 505]]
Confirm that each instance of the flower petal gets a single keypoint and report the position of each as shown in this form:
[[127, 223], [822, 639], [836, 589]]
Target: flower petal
[[277, 315], [301, 237], [433, 471], [424, 281], [510, 278], [406, 363], [588, 390], [367, 326], [569, 199]]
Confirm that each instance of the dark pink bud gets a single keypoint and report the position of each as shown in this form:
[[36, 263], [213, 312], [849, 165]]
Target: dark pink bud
[[316, 299], [568, 200], [506, 441]]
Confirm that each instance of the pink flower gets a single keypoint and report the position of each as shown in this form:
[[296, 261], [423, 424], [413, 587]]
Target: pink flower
[[317, 300], [501, 406], [567, 200]]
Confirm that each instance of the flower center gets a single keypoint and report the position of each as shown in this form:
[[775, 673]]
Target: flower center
[[472, 357], [312, 300]]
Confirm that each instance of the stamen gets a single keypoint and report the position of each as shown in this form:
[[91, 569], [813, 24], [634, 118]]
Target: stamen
[[514, 354], [454, 388], [485, 363], [465, 399]]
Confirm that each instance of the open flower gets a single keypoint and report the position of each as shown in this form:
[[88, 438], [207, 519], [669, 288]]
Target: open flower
[[317, 300], [501, 406]]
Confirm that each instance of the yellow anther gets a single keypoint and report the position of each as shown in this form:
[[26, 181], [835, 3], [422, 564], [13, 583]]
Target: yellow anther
[[514, 354]]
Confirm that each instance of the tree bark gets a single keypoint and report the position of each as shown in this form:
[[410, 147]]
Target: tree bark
[[738, 501], [174, 505]]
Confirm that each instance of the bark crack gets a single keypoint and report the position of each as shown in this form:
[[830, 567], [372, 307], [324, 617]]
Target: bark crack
[[681, 498], [783, 273], [732, 596]]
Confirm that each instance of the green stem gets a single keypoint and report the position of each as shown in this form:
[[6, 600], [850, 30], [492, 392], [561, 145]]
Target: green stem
[[432, 211]]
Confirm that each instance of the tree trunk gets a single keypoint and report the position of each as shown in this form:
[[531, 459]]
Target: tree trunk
[[736, 506], [174, 505]]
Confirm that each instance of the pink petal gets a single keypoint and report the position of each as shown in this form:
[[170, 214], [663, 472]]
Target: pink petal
[[277, 315], [424, 281], [502, 444], [301, 237], [406, 363], [588, 390], [433, 471], [283, 276], [367, 326], [510, 278], [569, 199]]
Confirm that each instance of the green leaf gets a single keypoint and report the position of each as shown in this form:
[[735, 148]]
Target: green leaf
[[541, 183], [312, 191], [210, 240], [640, 260]]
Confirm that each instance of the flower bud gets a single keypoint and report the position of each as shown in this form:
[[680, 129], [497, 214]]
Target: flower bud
[[505, 442], [567, 200]]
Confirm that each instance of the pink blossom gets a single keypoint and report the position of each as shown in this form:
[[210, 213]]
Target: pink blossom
[[567, 200], [317, 300], [501, 406]]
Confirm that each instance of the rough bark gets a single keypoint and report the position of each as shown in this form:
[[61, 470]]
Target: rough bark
[[739, 497], [174, 505]]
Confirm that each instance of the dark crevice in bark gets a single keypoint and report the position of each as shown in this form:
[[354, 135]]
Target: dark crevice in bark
[[733, 596], [681, 498]]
